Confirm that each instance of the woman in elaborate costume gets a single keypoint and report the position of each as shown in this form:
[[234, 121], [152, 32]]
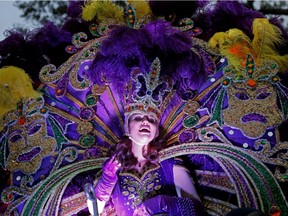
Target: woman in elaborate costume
[[133, 177]]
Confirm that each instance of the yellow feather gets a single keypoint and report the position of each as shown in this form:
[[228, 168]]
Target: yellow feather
[[266, 36], [14, 84], [217, 40], [282, 61], [233, 44], [236, 46], [102, 10], [7, 100], [89, 11], [142, 8]]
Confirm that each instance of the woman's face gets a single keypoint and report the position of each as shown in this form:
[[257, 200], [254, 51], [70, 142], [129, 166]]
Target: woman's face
[[143, 128]]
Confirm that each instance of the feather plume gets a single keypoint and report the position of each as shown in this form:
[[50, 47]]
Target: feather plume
[[74, 8], [236, 45], [126, 48], [142, 8], [266, 37], [282, 61], [14, 84], [8, 100], [233, 44], [102, 10], [224, 15], [167, 38]]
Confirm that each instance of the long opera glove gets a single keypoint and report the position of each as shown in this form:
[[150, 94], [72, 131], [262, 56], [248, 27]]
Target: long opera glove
[[108, 179]]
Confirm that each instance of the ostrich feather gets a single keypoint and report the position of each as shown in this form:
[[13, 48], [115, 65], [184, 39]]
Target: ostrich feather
[[233, 44], [14, 84], [142, 8], [102, 10], [266, 37], [236, 45]]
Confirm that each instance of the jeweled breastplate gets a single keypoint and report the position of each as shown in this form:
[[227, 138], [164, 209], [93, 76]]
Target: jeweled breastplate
[[134, 188]]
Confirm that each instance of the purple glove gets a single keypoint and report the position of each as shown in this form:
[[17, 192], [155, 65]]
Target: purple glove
[[108, 179], [177, 206]]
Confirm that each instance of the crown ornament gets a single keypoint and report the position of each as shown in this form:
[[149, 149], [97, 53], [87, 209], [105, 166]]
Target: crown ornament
[[250, 74], [147, 93]]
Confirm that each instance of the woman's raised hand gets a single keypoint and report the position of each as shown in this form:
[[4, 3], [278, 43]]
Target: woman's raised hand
[[108, 179]]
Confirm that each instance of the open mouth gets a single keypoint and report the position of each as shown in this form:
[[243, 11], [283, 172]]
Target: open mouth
[[28, 156], [144, 130], [254, 117]]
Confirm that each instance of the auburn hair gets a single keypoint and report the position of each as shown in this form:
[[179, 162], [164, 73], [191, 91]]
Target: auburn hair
[[126, 157]]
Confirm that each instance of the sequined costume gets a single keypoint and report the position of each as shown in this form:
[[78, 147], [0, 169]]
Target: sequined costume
[[133, 188]]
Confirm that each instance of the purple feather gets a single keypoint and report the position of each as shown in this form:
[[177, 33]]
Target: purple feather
[[120, 52], [17, 51], [32, 50], [74, 8], [166, 38], [50, 36], [127, 48], [124, 41], [225, 15]]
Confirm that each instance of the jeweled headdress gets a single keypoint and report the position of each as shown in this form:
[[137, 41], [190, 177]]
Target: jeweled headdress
[[145, 93]]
